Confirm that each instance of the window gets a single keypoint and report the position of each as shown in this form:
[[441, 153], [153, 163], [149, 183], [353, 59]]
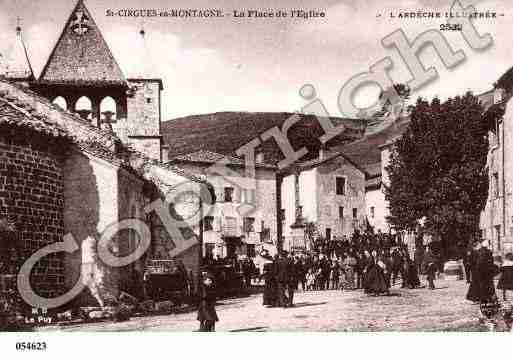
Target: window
[[340, 186], [228, 194], [250, 250], [496, 191], [355, 213], [265, 235], [340, 212], [208, 223], [372, 212], [148, 100], [108, 110], [328, 234], [61, 102], [249, 224]]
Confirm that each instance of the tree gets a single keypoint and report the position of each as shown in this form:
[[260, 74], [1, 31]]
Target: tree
[[438, 169]]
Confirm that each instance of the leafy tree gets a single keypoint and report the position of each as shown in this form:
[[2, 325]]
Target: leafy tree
[[438, 169]]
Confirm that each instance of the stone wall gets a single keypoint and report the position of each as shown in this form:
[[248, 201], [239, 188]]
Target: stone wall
[[375, 199], [497, 217], [131, 202], [329, 202], [31, 194], [143, 108], [90, 205], [150, 146]]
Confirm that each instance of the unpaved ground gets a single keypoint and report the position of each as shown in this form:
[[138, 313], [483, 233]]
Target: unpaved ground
[[444, 309]]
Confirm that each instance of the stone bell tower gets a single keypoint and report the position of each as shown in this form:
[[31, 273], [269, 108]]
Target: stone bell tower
[[83, 76]]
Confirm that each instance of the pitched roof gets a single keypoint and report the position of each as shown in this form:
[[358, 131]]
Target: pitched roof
[[373, 183], [373, 169], [225, 132], [366, 151], [81, 55], [14, 113], [318, 162], [15, 64], [209, 157]]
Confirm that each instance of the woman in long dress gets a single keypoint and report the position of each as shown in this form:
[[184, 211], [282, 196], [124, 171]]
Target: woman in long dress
[[482, 289], [270, 290], [375, 282]]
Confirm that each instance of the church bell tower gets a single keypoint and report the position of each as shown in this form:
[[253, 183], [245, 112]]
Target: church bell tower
[[82, 76]]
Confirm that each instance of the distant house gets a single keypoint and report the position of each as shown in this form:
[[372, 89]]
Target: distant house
[[242, 221], [331, 191]]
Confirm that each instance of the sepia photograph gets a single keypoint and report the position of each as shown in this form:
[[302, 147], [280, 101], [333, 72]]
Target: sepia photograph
[[267, 166]]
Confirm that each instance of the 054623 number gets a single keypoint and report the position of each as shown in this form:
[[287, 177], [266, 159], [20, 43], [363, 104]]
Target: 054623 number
[[23, 346]]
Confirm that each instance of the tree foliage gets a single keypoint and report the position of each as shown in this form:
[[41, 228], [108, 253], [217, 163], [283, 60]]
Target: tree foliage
[[438, 169]]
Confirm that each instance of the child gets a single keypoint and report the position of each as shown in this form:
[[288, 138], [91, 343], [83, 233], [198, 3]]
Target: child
[[506, 278], [310, 280], [207, 315]]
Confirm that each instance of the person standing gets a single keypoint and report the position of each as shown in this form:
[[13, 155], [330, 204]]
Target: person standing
[[282, 279], [334, 275], [429, 267], [482, 289], [270, 288], [397, 264], [300, 269], [292, 280], [506, 278], [467, 264], [360, 268], [207, 315]]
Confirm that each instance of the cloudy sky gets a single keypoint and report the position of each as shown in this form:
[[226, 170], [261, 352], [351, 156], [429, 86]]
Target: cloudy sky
[[225, 64]]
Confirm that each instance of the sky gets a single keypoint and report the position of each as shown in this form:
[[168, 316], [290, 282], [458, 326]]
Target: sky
[[229, 64]]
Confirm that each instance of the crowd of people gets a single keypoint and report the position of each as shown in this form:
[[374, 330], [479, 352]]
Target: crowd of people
[[370, 262]]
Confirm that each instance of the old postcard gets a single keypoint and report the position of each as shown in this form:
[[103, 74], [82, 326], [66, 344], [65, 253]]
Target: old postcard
[[258, 166]]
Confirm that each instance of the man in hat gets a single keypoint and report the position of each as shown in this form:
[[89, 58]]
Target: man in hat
[[207, 315], [282, 278]]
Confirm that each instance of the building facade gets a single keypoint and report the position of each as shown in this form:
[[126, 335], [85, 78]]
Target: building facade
[[497, 217], [242, 221], [330, 192], [80, 153]]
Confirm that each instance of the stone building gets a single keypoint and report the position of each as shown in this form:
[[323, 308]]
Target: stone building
[[83, 76], [328, 191], [61, 175], [80, 153], [243, 221], [497, 217]]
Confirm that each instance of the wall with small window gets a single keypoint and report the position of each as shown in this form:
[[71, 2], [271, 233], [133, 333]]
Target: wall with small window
[[340, 197]]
